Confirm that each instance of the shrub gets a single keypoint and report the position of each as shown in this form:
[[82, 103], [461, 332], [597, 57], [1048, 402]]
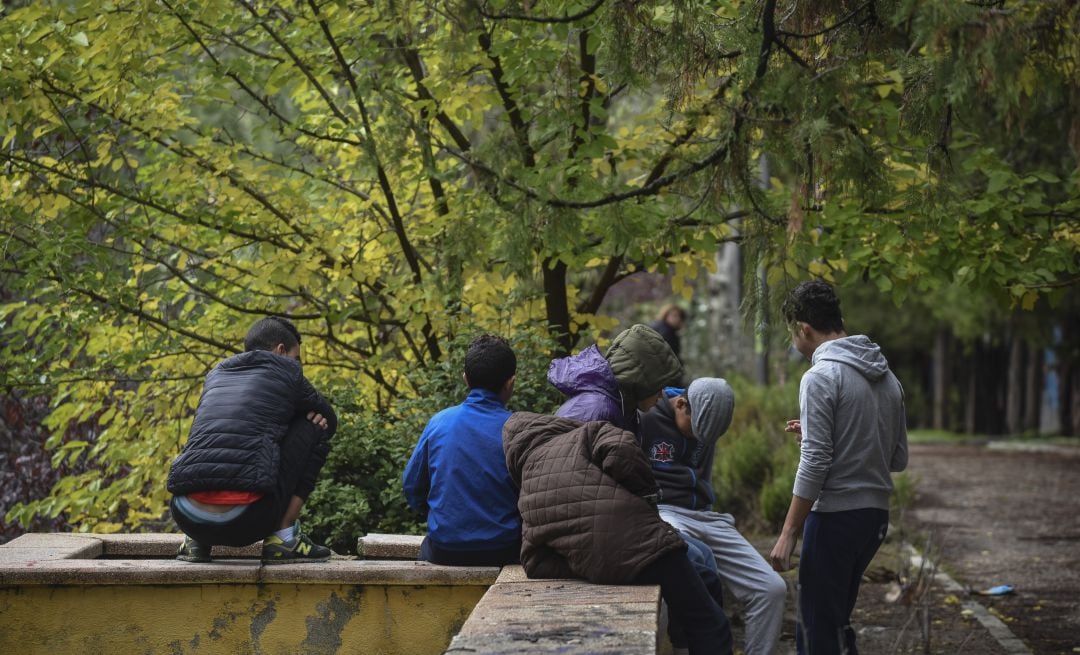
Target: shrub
[[775, 496], [755, 463]]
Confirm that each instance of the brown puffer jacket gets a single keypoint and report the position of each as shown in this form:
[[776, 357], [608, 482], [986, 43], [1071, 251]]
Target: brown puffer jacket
[[583, 500]]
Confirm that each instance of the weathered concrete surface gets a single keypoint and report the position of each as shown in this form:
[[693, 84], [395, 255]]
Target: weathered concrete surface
[[232, 618], [389, 546], [54, 598], [90, 545], [518, 615], [53, 602], [162, 545], [51, 546]]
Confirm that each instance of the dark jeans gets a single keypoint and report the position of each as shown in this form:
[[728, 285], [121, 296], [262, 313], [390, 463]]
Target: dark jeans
[[704, 562], [837, 548], [690, 603], [303, 452], [429, 552]]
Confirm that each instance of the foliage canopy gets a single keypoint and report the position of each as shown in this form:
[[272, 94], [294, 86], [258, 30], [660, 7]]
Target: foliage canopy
[[393, 174]]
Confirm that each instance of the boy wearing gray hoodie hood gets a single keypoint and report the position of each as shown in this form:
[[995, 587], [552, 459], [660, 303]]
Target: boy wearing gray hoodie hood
[[852, 435], [680, 437]]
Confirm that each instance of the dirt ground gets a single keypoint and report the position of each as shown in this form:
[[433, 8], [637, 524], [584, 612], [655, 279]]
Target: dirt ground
[[989, 517], [1007, 517], [886, 626]]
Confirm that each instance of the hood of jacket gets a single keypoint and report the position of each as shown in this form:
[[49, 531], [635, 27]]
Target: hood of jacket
[[858, 352], [642, 362], [583, 488], [584, 372], [712, 404]]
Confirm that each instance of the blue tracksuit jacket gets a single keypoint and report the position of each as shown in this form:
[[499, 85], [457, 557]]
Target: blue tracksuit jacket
[[457, 474]]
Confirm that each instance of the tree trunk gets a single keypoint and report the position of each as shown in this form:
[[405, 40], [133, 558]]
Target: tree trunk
[[1070, 400], [970, 401], [1074, 403], [940, 379], [1033, 387], [761, 332], [558, 309], [1014, 390]]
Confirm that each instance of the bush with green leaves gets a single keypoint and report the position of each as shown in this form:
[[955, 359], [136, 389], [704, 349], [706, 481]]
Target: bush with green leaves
[[754, 469]]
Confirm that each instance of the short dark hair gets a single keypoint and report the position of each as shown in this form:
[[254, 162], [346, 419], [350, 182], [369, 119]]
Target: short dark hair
[[268, 332], [814, 302], [489, 362]]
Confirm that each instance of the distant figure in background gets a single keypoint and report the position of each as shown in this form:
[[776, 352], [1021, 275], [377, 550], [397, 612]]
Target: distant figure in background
[[669, 320], [457, 473]]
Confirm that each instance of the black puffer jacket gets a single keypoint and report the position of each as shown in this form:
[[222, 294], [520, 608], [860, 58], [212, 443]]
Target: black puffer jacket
[[246, 406]]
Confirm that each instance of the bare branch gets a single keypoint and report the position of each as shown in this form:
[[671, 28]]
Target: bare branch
[[585, 13]]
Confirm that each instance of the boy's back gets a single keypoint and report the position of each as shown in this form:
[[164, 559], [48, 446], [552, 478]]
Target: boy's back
[[247, 404], [470, 498], [457, 472]]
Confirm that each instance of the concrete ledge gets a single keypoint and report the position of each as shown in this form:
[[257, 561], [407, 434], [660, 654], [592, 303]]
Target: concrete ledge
[[148, 559], [51, 546], [151, 572], [163, 545], [84, 545], [389, 546], [519, 615]]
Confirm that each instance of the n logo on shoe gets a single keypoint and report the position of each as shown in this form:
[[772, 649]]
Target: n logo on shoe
[[303, 547]]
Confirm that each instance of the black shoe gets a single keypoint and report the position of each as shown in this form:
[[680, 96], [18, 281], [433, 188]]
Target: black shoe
[[276, 550], [193, 551]]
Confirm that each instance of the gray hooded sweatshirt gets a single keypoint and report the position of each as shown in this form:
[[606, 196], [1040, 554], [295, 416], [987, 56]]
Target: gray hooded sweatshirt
[[853, 427]]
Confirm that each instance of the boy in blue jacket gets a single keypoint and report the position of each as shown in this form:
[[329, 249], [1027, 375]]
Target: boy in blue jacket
[[457, 474]]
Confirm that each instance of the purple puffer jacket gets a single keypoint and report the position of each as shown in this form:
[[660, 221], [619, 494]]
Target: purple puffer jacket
[[589, 384]]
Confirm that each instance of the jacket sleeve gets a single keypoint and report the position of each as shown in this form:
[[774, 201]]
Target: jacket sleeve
[[416, 481], [310, 400], [618, 454], [817, 402], [899, 460]]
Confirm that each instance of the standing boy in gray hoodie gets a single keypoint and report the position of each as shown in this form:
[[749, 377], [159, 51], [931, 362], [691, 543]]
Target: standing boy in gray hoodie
[[852, 434]]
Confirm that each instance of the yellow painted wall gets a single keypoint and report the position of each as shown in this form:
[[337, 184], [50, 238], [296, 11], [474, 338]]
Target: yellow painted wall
[[243, 618]]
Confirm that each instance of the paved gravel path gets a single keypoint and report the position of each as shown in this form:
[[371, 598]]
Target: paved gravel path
[[997, 516]]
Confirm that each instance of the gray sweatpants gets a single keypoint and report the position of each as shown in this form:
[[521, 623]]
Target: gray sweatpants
[[742, 569]]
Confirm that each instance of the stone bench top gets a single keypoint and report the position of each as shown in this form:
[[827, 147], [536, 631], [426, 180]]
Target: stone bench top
[[377, 545], [535, 617], [85, 545], [118, 559]]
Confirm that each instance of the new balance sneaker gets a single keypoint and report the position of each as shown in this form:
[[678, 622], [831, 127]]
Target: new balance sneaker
[[300, 548], [193, 551]]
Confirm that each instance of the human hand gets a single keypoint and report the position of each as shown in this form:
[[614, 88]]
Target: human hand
[[780, 557], [794, 426], [317, 419]]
